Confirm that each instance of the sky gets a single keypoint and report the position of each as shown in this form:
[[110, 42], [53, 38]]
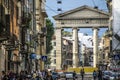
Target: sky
[[52, 6]]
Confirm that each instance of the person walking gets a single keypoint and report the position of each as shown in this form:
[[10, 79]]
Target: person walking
[[74, 75], [4, 76], [99, 75], [82, 72], [94, 75]]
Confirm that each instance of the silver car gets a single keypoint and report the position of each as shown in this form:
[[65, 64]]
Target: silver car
[[69, 75], [114, 76]]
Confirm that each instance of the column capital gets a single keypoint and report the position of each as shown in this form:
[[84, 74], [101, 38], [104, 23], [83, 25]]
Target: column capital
[[59, 28], [75, 28], [95, 28]]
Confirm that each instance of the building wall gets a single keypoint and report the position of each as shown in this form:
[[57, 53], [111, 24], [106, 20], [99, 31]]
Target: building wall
[[53, 55], [14, 29], [116, 25], [15, 9], [40, 25], [10, 21]]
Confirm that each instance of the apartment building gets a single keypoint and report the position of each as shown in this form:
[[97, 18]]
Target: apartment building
[[20, 29]]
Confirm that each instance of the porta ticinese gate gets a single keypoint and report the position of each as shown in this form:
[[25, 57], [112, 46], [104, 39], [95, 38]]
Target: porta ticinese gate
[[82, 17]]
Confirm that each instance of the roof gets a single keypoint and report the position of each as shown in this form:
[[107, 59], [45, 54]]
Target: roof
[[81, 9]]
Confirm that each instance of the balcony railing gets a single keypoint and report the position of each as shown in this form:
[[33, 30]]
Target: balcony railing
[[25, 20]]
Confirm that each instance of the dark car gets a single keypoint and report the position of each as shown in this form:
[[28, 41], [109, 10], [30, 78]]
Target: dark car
[[55, 75], [106, 75]]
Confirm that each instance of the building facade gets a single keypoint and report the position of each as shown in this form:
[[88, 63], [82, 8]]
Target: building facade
[[21, 30]]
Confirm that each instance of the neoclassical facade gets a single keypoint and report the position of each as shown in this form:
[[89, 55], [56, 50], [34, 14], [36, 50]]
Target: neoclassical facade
[[81, 17]]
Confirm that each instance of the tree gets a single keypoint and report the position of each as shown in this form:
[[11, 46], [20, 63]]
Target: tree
[[50, 33], [66, 33]]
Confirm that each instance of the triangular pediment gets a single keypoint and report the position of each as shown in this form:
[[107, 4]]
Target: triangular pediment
[[82, 12]]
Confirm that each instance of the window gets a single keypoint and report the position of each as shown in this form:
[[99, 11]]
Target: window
[[17, 13], [6, 3], [103, 56], [54, 61], [54, 53], [54, 43]]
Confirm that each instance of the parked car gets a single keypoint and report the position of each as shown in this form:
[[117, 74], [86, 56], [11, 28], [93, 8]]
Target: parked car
[[69, 75], [55, 75], [114, 76], [106, 75], [61, 74]]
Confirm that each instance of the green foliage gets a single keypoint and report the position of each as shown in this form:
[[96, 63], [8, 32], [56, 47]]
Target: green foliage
[[50, 33], [66, 33], [48, 61], [118, 63], [26, 19]]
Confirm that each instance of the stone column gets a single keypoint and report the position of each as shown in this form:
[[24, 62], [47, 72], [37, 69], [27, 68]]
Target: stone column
[[58, 48], [75, 47], [95, 46]]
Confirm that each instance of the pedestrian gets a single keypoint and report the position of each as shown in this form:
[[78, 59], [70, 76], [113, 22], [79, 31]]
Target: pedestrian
[[99, 75], [49, 76], [34, 75], [40, 75], [94, 75], [4, 76], [11, 75], [21, 75], [82, 72], [74, 75]]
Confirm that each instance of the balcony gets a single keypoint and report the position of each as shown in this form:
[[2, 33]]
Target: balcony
[[25, 20], [3, 33]]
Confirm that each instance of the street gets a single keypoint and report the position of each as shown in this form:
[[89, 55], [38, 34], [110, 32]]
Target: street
[[59, 39], [86, 77]]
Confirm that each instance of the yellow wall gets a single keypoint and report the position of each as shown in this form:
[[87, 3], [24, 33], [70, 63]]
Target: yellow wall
[[86, 69]]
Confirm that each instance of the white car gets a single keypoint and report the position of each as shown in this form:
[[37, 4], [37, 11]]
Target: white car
[[69, 75]]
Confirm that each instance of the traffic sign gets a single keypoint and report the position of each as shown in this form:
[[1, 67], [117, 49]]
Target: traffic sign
[[116, 57], [38, 56], [44, 58], [32, 56]]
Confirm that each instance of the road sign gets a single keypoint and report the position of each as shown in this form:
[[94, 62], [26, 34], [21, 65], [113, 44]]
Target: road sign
[[116, 57], [38, 56], [32, 56], [44, 58]]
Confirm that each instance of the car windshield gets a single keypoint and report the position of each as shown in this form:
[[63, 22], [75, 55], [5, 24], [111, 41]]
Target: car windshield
[[54, 73], [114, 74], [106, 73]]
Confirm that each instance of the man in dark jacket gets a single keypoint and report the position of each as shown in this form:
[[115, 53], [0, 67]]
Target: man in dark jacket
[[82, 72]]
